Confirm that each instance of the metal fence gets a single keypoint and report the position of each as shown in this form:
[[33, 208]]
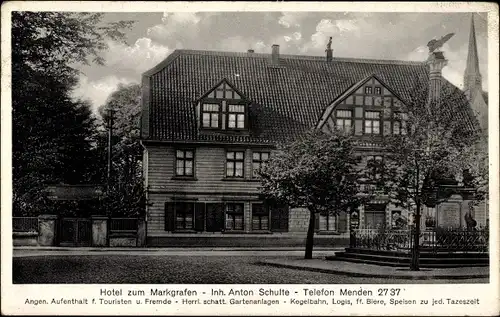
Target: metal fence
[[25, 224], [123, 225], [397, 240], [438, 240]]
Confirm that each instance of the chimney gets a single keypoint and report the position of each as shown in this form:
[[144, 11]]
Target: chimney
[[329, 51], [250, 51], [436, 62], [275, 55]]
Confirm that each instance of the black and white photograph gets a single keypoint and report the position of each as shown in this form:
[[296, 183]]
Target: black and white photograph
[[225, 145]]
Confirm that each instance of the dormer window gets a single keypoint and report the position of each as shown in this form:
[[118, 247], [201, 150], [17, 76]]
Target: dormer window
[[210, 115], [223, 108], [236, 117]]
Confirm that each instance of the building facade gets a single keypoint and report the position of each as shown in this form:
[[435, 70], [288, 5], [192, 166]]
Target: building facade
[[211, 119]]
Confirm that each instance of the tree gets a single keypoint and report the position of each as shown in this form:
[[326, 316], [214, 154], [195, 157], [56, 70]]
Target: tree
[[53, 134], [435, 150], [126, 195], [317, 171]]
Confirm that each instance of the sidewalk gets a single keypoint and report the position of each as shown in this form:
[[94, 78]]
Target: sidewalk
[[164, 249], [370, 270]]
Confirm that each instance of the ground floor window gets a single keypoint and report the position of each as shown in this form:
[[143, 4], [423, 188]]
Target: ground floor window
[[184, 216], [260, 217], [374, 219], [326, 222], [234, 216]]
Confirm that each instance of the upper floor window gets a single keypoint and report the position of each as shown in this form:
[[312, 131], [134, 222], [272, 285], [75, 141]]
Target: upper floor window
[[399, 124], [259, 159], [234, 163], [236, 117], [372, 122], [344, 121], [368, 90], [378, 90], [210, 115], [184, 162], [375, 166]]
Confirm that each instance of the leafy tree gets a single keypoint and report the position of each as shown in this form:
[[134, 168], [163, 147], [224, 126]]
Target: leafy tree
[[317, 171], [53, 134], [126, 193], [434, 151]]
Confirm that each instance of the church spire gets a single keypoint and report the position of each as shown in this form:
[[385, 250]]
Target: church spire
[[472, 76]]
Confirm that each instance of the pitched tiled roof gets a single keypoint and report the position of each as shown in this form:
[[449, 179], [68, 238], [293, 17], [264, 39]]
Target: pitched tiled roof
[[286, 99]]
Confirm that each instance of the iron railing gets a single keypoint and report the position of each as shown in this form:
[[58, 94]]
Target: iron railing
[[398, 240], [437, 240], [25, 224], [128, 225]]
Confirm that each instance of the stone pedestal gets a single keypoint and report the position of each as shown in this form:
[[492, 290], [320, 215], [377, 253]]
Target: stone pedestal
[[99, 231], [47, 230], [141, 233]]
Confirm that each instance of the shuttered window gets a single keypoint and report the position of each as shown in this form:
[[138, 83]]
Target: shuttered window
[[260, 217], [234, 216]]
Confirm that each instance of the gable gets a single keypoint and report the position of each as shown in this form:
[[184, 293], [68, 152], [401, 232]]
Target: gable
[[368, 97], [223, 90]]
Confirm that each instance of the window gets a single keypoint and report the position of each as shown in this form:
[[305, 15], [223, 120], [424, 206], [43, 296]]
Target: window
[[374, 163], [344, 121], [378, 90], [236, 117], [372, 122], [399, 126], [184, 162], [327, 222], [234, 216], [260, 217], [234, 163], [184, 218], [368, 90], [210, 115], [259, 159]]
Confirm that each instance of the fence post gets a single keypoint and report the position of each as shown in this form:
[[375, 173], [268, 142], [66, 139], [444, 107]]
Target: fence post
[[141, 232], [99, 231], [47, 230]]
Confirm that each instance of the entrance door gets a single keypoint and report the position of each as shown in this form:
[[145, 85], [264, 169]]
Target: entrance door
[[75, 232], [279, 219], [215, 217]]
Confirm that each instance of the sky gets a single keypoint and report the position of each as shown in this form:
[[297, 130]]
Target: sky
[[373, 35]]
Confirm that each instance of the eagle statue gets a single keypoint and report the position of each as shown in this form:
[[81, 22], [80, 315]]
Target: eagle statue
[[435, 44]]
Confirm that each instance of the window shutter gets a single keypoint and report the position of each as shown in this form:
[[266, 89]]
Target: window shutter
[[342, 222], [199, 217], [279, 219], [169, 216], [387, 127], [215, 217], [358, 127]]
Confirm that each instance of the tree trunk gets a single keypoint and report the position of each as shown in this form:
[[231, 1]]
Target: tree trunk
[[310, 235], [415, 253]]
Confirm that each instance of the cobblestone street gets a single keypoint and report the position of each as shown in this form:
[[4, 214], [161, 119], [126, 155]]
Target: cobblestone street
[[177, 269]]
